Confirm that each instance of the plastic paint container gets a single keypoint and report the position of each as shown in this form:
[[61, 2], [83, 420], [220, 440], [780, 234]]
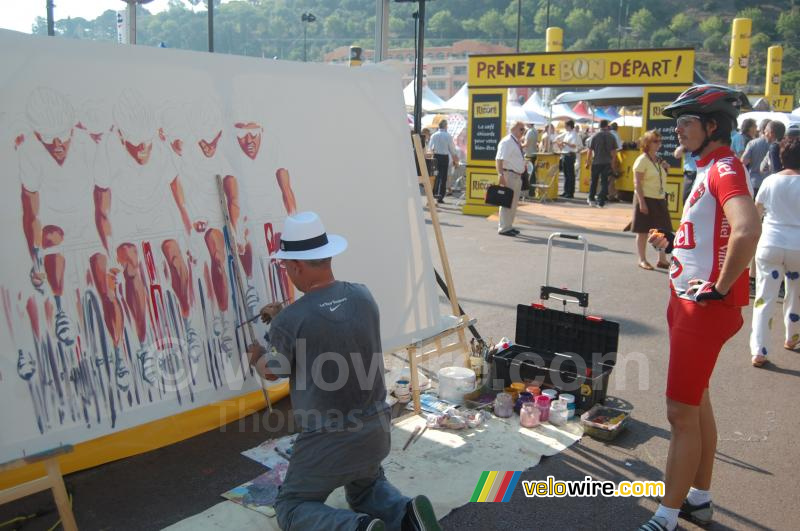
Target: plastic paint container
[[552, 393], [570, 402], [454, 383], [558, 413], [543, 405], [529, 415]]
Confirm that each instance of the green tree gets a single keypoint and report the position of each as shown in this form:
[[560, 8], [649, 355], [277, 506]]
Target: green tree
[[643, 22], [492, 25], [579, 21], [681, 24], [443, 24], [716, 43], [660, 37], [788, 24], [712, 25], [556, 18]]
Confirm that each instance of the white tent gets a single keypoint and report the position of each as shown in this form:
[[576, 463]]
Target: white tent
[[785, 118], [459, 102], [430, 101], [517, 113], [563, 111], [534, 104], [633, 121]]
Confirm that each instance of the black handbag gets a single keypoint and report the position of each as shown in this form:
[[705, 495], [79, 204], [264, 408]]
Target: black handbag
[[497, 195]]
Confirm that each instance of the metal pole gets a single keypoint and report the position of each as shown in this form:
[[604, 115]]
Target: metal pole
[[305, 32], [547, 24], [519, 19], [381, 30], [131, 21], [619, 26], [210, 25], [51, 26], [420, 55]]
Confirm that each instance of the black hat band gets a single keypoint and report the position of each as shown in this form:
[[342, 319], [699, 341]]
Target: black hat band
[[304, 245]]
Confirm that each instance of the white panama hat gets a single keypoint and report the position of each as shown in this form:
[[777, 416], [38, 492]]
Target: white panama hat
[[304, 238]]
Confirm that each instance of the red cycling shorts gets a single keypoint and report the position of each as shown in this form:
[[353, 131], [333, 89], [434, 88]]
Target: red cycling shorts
[[696, 336]]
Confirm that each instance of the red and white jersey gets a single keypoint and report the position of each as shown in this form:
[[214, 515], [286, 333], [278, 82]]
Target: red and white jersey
[[701, 242]]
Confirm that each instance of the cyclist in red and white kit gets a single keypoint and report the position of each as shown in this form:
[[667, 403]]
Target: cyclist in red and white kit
[[711, 250]]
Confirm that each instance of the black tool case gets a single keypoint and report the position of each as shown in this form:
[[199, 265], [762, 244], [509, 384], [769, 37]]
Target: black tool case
[[571, 352]]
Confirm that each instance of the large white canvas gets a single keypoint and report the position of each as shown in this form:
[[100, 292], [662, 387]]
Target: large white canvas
[[95, 325]]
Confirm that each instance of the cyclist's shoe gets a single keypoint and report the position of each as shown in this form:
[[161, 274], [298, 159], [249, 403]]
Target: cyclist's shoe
[[656, 523], [700, 514]]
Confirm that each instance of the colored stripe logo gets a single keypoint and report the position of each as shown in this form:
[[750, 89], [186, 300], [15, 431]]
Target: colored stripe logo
[[494, 486]]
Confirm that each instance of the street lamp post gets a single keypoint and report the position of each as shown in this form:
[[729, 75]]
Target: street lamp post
[[306, 19], [132, 18], [519, 20]]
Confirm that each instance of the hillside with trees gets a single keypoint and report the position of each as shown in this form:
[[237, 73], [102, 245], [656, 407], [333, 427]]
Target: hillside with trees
[[272, 28]]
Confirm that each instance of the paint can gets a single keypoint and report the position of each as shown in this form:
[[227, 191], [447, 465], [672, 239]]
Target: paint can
[[455, 382], [543, 405], [570, 402], [551, 393], [558, 413]]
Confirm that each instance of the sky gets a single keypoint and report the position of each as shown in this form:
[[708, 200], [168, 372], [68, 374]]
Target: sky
[[19, 15]]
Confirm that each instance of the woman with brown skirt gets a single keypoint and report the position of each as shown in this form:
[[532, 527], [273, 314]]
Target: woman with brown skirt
[[649, 203]]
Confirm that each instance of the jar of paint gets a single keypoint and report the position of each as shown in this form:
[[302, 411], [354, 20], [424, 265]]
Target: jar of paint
[[512, 393], [543, 405], [529, 415], [503, 405], [552, 393], [523, 398], [518, 387], [535, 390], [558, 413], [570, 401]]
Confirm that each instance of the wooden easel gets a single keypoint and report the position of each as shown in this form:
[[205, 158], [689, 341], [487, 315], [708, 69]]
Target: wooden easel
[[417, 351], [53, 481]]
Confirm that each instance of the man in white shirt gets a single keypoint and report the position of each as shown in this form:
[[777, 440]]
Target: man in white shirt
[[510, 164], [442, 147], [569, 143]]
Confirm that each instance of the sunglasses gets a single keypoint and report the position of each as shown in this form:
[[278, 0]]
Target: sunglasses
[[686, 119]]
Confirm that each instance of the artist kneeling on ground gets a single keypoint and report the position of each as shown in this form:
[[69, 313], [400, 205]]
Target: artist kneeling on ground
[[319, 341]]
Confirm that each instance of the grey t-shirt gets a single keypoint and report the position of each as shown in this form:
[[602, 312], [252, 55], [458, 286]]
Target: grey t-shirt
[[531, 139], [602, 144], [755, 151], [329, 345]]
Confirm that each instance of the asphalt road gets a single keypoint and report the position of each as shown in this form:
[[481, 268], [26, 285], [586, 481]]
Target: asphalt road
[[756, 485]]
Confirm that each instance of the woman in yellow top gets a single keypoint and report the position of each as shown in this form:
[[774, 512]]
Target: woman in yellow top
[[650, 209]]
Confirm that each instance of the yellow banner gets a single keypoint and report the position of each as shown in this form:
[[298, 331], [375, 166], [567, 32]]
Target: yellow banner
[[588, 68], [779, 103]]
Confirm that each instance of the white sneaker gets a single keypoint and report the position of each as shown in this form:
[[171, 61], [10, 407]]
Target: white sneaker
[[590, 202]]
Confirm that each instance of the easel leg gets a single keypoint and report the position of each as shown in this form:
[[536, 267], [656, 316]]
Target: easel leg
[[412, 363], [60, 494]]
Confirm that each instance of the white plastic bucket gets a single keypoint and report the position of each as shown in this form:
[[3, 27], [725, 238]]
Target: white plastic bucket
[[455, 382]]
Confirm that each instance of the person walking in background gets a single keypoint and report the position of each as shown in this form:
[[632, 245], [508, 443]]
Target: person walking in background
[[689, 170], [741, 138], [569, 143], [778, 253], [771, 163], [443, 148], [510, 164], [754, 153], [602, 149], [650, 209], [530, 144]]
